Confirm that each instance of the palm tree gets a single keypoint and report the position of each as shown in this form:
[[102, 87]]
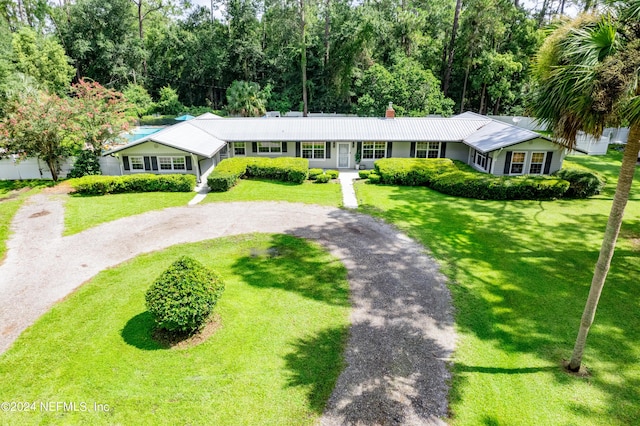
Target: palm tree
[[587, 75], [246, 99]]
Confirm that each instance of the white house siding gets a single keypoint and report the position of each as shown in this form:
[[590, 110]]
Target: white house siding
[[31, 168], [457, 151], [536, 145], [154, 150], [110, 166]]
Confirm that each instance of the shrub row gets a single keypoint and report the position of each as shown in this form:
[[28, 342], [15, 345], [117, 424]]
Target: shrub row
[[444, 176], [286, 169], [100, 185], [583, 182], [412, 171], [226, 174], [487, 187]]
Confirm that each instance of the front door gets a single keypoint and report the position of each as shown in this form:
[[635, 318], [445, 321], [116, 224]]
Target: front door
[[343, 155]]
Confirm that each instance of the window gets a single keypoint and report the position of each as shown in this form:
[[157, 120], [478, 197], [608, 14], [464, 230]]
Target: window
[[172, 163], [137, 163], [428, 150], [537, 161], [374, 150], [239, 148], [517, 163], [480, 160], [313, 150], [267, 147]]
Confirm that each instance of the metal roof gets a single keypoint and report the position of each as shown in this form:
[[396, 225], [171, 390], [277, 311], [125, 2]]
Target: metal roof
[[207, 134], [183, 136], [340, 129], [496, 135]]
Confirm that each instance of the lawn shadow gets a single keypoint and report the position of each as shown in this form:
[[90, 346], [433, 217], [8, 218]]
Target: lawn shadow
[[522, 272], [315, 362], [138, 332], [294, 264]]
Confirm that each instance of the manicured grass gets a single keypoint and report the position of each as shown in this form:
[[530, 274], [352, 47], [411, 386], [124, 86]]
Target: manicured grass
[[12, 195], [519, 273], [83, 212], [327, 194], [274, 360]]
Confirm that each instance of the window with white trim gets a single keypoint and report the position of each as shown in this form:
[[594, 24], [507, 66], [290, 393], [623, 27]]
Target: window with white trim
[[427, 149], [172, 163], [480, 160], [137, 163], [313, 150], [269, 147], [517, 163], [537, 162], [374, 150], [239, 148]]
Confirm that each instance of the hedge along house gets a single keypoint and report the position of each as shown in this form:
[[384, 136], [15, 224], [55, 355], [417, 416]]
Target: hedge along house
[[197, 145]]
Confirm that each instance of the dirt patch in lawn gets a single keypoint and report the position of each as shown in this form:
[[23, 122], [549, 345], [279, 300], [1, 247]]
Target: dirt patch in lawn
[[60, 188], [14, 194], [171, 340]]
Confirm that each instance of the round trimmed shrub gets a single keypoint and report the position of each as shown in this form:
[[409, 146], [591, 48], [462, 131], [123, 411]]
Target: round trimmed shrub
[[323, 178], [313, 173], [364, 174], [374, 178], [333, 174], [583, 183], [183, 297]]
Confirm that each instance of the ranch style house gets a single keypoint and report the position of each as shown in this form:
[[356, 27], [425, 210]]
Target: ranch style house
[[196, 146]]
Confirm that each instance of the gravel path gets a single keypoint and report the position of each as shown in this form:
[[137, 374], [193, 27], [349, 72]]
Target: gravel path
[[402, 331]]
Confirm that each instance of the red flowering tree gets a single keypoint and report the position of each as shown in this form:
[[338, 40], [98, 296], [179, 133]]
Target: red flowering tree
[[52, 128], [100, 113], [40, 125]]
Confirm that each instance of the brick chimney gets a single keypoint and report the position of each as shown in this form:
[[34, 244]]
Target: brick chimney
[[390, 113]]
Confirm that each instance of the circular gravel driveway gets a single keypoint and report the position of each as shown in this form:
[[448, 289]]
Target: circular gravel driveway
[[401, 336]]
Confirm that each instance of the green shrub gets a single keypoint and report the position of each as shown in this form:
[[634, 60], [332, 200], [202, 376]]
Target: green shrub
[[374, 178], [364, 174], [314, 172], [333, 174], [459, 179], [323, 178], [87, 164], [100, 185], [226, 174], [183, 297], [583, 182], [489, 187], [412, 171], [285, 169]]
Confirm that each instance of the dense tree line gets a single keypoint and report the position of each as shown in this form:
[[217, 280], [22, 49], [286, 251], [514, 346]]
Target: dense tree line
[[425, 56]]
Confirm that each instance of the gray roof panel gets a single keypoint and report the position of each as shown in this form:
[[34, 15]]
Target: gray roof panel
[[340, 129]]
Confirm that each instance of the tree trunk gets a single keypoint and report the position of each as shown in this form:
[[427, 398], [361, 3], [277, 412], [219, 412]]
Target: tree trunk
[[625, 179], [451, 51], [327, 29], [52, 164], [464, 87], [482, 98], [303, 60]]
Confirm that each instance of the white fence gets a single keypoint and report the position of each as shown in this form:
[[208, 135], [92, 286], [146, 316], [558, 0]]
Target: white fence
[[34, 168]]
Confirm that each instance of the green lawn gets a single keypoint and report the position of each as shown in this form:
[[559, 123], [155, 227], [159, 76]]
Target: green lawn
[[83, 212], [274, 360], [519, 273], [327, 194], [12, 195]]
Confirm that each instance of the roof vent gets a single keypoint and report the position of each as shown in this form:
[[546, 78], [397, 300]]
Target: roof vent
[[390, 113]]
